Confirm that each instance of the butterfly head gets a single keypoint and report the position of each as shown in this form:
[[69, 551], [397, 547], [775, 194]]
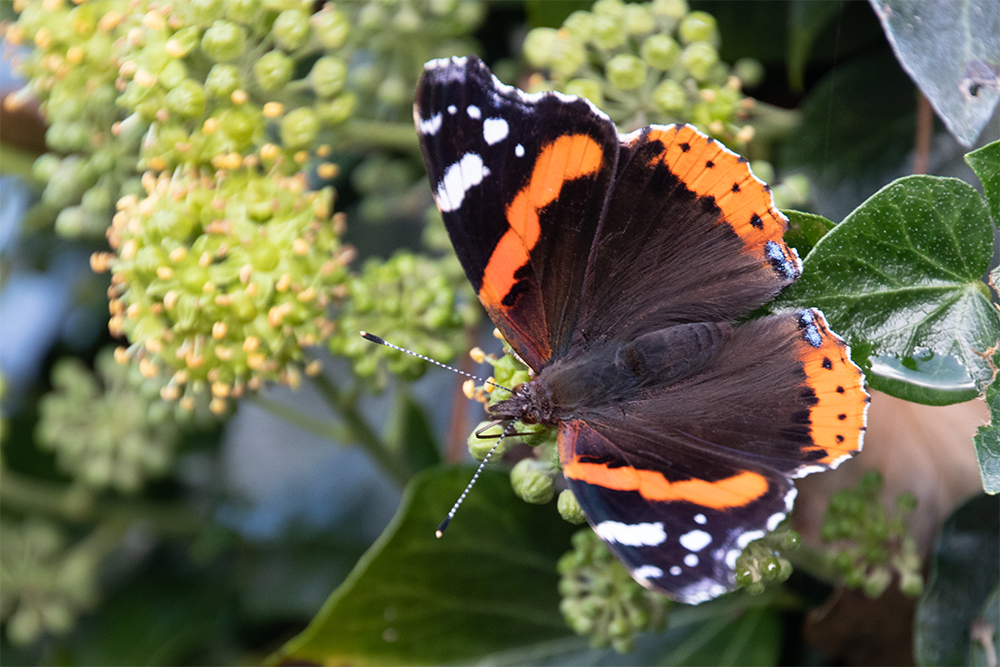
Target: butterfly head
[[530, 403]]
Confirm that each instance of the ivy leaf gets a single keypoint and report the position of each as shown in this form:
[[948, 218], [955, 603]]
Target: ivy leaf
[[951, 50], [986, 163], [489, 584], [805, 230], [964, 573], [900, 278], [987, 441]]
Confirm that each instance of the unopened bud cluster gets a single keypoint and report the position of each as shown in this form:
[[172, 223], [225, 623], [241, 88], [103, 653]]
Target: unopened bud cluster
[[601, 600], [410, 300], [644, 63], [47, 583], [871, 543], [221, 281], [108, 429], [763, 561]]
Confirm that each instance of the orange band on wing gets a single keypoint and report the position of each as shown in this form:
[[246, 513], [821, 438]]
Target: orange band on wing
[[736, 491], [567, 158], [839, 416]]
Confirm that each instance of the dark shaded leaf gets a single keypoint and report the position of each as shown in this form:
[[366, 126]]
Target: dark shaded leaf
[[409, 432], [964, 574], [951, 49], [805, 230], [986, 631], [856, 133], [726, 631], [900, 277], [986, 163], [489, 584], [806, 20]]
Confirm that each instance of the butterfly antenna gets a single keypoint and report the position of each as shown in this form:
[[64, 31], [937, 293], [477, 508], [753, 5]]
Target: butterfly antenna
[[381, 341], [454, 508]]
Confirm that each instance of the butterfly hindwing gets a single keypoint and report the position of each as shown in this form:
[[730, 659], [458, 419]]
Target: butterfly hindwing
[[521, 182], [682, 535]]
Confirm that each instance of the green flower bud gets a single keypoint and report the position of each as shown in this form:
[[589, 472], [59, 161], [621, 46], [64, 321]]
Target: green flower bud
[[337, 110], [393, 91], [538, 46], [569, 508], [660, 51], [224, 41], [328, 76], [626, 72], [481, 444], [532, 481], [669, 96], [763, 170], [567, 55], [187, 99], [580, 25], [749, 71], [222, 80], [671, 9], [291, 29], [184, 41], [202, 12], [639, 20], [586, 88], [247, 12], [698, 27], [273, 70], [330, 27], [299, 128], [615, 8], [698, 58], [609, 33]]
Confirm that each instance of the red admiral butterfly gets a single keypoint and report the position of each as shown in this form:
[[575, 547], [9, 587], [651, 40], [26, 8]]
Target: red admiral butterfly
[[617, 267]]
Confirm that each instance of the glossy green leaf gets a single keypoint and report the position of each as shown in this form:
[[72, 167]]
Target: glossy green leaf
[[986, 163], [952, 51], [964, 574], [409, 433], [489, 584], [987, 441], [805, 230], [900, 278]]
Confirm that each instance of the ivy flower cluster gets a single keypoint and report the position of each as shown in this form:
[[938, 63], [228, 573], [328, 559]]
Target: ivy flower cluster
[[644, 63], [871, 543]]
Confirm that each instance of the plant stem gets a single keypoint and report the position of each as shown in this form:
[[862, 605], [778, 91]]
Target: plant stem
[[32, 495], [357, 431]]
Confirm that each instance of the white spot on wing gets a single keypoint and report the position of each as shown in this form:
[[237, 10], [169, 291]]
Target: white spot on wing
[[746, 538], [458, 179], [632, 535], [675, 570], [700, 519], [731, 557], [474, 112], [519, 150], [691, 560], [645, 573], [430, 126], [696, 540], [495, 130], [452, 109]]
